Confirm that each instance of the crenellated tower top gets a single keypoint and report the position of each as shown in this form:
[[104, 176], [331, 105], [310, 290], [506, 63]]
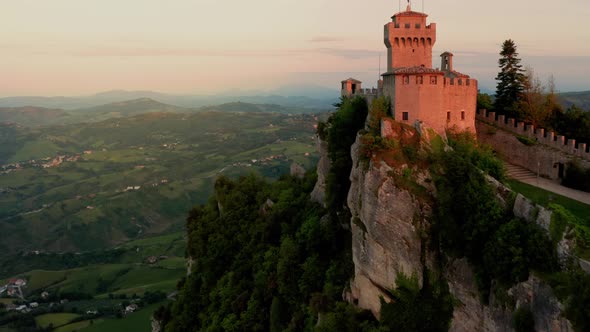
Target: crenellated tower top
[[409, 40]]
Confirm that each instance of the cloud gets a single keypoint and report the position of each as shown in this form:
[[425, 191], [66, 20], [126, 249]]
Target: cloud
[[196, 52], [326, 39], [350, 53]]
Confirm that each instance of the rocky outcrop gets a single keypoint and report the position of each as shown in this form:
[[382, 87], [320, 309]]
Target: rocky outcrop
[[531, 212], [297, 170], [156, 326], [319, 191], [471, 315], [385, 233], [388, 224]]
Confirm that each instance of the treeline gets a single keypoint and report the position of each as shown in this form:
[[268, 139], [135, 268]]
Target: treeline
[[20, 263]]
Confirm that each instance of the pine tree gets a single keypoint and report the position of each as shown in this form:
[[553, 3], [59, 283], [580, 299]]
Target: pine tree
[[510, 81]]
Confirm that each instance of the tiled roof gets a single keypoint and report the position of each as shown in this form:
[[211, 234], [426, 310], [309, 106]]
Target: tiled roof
[[352, 80]]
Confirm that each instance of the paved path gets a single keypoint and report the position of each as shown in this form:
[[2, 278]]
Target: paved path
[[524, 175]]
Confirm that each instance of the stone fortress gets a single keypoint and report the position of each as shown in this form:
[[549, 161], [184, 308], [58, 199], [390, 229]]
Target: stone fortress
[[441, 98]]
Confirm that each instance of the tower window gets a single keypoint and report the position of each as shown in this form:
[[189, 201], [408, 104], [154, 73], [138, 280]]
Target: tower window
[[405, 116], [407, 25], [406, 79], [432, 79], [419, 80], [417, 25], [462, 115], [448, 116]]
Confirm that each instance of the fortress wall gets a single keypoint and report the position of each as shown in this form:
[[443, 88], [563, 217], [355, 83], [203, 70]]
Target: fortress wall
[[460, 100], [430, 102], [540, 135], [544, 157]]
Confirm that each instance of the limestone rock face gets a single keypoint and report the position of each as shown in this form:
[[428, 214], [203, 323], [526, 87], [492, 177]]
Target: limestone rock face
[[297, 170], [319, 191], [531, 212], [471, 315], [388, 223], [384, 235]]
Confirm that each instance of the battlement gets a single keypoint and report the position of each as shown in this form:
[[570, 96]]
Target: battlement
[[371, 92], [415, 26], [434, 79], [540, 135]]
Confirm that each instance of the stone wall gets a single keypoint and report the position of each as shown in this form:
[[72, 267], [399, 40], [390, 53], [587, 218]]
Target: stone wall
[[544, 151], [439, 102]]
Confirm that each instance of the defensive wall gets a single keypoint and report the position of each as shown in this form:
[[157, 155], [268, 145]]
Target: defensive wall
[[439, 102], [540, 151]]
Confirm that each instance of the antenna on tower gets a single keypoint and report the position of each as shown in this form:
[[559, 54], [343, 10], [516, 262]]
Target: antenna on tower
[[379, 73]]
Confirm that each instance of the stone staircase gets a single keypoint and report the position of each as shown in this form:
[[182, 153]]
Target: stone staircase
[[519, 173]]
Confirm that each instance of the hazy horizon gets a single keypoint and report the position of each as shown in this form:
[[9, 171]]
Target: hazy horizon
[[73, 48]]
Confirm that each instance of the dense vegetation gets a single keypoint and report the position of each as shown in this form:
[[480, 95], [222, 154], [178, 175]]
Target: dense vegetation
[[264, 259], [471, 223], [342, 129]]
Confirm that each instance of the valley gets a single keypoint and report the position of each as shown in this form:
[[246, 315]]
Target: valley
[[93, 202]]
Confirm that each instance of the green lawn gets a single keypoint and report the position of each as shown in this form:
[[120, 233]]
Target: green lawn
[[135, 322], [56, 319], [40, 279], [76, 326], [544, 198]]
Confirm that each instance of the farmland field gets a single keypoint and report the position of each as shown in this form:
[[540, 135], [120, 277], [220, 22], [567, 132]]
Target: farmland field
[[91, 186]]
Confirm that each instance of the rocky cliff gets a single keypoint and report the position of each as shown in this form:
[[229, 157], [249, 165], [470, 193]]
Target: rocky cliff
[[319, 191], [390, 224]]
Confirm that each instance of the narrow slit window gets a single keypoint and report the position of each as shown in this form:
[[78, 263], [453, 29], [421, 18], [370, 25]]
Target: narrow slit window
[[405, 116], [462, 115], [448, 116]]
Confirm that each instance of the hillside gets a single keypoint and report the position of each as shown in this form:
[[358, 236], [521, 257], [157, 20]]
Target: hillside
[[580, 99], [33, 116], [254, 108], [291, 96], [94, 185], [123, 109]]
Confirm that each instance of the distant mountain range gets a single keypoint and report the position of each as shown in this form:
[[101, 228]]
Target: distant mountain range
[[580, 99], [292, 96], [30, 116]]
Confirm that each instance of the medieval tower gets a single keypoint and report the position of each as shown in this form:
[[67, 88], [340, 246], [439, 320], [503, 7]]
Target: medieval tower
[[441, 98]]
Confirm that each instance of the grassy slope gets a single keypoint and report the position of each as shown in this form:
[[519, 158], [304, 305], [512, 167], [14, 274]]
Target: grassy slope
[[135, 322], [56, 319], [543, 197]]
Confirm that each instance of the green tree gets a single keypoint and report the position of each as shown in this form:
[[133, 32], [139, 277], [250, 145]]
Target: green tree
[[538, 102], [510, 80], [484, 101]]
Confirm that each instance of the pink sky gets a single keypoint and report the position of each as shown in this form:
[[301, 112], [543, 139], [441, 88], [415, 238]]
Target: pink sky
[[73, 47]]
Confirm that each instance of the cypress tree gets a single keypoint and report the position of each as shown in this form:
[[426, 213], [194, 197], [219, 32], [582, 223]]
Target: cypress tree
[[510, 81]]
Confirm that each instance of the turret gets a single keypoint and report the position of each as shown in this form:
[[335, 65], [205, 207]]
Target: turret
[[350, 87], [409, 40], [446, 61]]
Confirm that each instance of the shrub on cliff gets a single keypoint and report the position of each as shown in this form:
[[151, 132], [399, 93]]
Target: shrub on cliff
[[343, 126], [429, 308]]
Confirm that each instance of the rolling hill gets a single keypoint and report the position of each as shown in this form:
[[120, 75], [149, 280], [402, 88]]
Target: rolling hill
[[94, 185], [580, 99], [33, 116]]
